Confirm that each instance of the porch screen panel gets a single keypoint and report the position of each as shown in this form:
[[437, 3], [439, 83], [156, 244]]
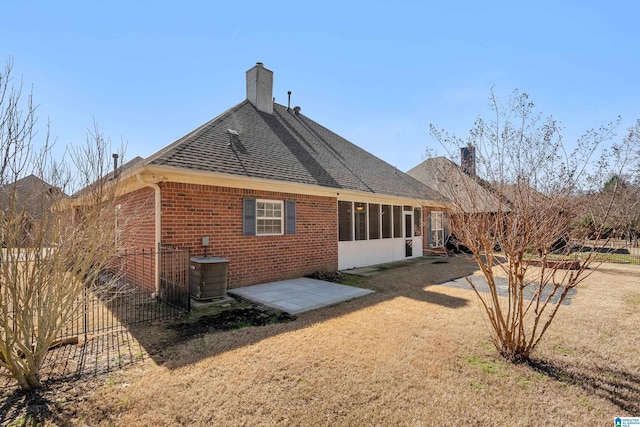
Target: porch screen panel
[[397, 221], [386, 222], [374, 221], [417, 221], [345, 221]]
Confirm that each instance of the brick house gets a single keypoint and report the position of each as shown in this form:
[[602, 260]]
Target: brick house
[[467, 193], [275, 193], [27, 202]]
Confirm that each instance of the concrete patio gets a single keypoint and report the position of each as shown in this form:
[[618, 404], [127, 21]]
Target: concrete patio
[[299, 295]]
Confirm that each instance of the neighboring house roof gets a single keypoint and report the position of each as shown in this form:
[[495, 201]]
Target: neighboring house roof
[[122, 169], [466, 193], [519, 194], [30, 194], [286, 146]]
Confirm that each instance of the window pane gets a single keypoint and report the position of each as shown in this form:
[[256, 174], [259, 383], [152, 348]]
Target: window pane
[[374, 221], [345, 221], [269, 217], [417, 221], [436, 221], [437, 229], [386, 221], [437, 239], [360, 221], [269, 226], [397, 221]]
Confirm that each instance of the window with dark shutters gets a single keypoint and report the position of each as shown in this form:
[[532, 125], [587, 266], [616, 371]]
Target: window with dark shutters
[[265, 217]]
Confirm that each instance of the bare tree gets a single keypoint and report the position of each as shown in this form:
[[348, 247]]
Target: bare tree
[[51, 252], [624, 220], [522, 242]]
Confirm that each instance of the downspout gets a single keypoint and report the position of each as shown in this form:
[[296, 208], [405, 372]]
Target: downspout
[[158, 225]]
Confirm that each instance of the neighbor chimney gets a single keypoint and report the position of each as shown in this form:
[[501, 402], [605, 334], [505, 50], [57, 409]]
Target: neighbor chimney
[[468, 160], [260, 87], [115, 165]]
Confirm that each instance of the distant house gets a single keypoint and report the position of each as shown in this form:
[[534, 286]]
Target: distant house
[[458, 183], [30, 199], [275, 193]]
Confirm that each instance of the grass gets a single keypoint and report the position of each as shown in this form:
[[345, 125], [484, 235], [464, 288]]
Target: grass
[[353, 280], [488, 366], [412, 353], [614, 258]]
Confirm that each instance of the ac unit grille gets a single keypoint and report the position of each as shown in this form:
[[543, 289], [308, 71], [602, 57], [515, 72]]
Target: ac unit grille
[[208, 277]]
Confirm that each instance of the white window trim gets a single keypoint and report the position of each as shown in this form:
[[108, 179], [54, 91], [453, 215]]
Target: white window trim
[[281, 218]]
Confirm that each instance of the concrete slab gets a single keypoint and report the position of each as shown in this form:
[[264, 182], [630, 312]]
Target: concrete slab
[[362, 271], [502, 287], [299, 295]]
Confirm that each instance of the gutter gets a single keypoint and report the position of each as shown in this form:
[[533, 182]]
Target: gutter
[[158, 225]]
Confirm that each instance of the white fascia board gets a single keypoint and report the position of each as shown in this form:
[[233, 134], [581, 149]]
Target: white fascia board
[[158, 174]]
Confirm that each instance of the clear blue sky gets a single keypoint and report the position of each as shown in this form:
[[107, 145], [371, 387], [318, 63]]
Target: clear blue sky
[[377, 73]]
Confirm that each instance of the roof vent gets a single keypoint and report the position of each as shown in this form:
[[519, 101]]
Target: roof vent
[[296, 109], [235, 143]]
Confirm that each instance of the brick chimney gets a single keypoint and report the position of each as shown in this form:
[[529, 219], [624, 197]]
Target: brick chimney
[[260, 87], [468, 160]]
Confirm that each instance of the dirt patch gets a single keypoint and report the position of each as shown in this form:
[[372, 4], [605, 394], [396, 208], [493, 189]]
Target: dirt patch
[[234, 318]]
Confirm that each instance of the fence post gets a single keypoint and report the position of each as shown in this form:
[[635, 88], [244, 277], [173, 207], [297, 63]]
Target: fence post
[[85, 314], [187, 279]]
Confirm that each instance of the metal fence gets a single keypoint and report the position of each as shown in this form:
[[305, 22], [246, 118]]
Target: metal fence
[[614, 251], [126, 293]]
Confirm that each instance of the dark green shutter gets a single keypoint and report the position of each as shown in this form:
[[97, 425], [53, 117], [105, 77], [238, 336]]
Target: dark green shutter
[[290, 211], [249, 217], [445, 228]]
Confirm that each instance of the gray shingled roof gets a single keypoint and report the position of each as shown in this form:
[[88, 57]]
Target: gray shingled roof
[[447, 178], [286, 146], [30, 194]]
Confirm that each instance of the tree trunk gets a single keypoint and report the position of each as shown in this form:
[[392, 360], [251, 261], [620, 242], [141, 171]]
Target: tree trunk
[[27, 381]]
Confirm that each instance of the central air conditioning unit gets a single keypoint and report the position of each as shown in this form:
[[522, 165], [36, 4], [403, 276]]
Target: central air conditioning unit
[[208, 277]]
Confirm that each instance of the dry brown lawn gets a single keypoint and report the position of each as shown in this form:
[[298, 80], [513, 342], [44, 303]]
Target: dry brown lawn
[[413, 354]]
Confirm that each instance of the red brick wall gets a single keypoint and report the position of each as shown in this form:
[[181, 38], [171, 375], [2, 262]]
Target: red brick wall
[[136, 219], [190, 211], [136, 228]]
